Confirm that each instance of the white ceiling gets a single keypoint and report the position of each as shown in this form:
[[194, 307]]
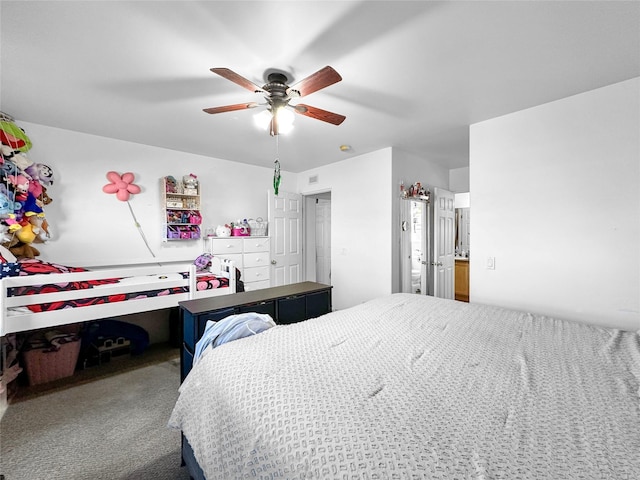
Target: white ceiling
[[415, 74]]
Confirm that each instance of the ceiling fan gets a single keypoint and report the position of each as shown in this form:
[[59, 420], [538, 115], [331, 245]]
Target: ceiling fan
[[278, 95]]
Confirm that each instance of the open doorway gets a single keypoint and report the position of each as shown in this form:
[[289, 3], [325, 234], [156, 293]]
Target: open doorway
[[317, 225]]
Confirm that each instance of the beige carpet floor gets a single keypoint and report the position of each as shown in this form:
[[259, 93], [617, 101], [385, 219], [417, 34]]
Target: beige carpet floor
[[112, 426]]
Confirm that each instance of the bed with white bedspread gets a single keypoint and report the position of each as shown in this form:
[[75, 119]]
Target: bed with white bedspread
[[409, 386]]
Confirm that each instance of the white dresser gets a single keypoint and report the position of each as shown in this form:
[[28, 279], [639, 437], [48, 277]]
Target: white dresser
[[251, 256]]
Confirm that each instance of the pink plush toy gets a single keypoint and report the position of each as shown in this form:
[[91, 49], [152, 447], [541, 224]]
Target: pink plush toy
[[21, 185]]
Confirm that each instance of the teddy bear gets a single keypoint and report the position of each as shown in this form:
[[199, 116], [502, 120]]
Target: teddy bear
[[21, 250], [44, 198]]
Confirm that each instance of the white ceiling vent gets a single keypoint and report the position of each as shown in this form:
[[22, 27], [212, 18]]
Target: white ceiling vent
[[313, 179]]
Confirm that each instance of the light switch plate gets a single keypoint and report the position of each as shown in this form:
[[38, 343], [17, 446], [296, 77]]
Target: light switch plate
[[491, 263]]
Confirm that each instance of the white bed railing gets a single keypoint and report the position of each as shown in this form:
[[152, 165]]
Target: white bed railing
[[16, 317]]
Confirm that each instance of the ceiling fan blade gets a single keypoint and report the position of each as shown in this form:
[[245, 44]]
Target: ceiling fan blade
[[319, 114], [236, 78], [316, 81], [231, 108]]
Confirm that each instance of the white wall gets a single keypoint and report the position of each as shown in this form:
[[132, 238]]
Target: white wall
[[556, 201], [361, 215], [459, 180], [91, 228]]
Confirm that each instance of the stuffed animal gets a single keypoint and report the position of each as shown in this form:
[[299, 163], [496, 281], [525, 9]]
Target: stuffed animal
[[8, 209], [8, 166], [41, 227], [27, 234], [20, 183], [30, 205], [41, 173], [16, 156], [21, 250], [203, 262], [44, 198], [4, 234], [13, 136], [7, 203], [190, 181]]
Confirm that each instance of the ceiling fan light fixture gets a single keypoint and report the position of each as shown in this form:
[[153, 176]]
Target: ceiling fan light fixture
[[285, 119]]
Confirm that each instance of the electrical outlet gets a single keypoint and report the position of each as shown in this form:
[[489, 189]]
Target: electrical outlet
[[491, 263]]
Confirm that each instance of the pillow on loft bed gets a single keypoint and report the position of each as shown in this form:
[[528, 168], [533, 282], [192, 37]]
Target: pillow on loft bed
[[10, 266], [34, 266]]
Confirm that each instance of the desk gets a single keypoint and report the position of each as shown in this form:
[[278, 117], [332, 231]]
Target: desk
[[285, 304]]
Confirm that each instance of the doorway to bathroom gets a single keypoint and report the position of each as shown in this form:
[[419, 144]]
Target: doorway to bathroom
[[317, 228]]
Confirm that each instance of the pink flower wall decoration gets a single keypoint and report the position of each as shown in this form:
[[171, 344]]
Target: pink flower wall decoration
[[122, 186]]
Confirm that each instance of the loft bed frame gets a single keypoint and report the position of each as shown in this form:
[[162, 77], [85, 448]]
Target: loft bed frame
[[16, 317]]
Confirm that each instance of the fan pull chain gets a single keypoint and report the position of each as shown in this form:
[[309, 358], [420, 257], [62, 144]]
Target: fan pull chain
[[276, 171]]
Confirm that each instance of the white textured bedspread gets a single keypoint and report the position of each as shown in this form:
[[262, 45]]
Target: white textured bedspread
[[411, 387]]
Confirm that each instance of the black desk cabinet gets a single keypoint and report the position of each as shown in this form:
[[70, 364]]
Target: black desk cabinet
[[286, 304]]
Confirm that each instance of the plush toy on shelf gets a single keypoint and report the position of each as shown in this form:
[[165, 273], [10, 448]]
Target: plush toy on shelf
[[190, 184], [171, 184]]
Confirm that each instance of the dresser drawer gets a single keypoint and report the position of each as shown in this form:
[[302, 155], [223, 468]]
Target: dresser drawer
[[255, 274], [256, 244], [249, 287], [256, 259], [225, 246]]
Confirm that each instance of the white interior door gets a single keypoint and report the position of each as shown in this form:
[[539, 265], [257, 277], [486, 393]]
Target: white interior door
[[323, 241], [285, 230], [443, 243]]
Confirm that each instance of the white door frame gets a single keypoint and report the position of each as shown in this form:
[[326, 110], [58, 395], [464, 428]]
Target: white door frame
[[309, 243]]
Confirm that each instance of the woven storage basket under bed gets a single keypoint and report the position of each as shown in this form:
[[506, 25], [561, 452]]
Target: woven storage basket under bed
[[45, 365]]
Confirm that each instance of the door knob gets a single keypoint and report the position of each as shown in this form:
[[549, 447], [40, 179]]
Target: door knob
[[273, 262], [436, 264]]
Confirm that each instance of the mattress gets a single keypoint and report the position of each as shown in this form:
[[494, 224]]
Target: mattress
[[29, 267], [410, 386]]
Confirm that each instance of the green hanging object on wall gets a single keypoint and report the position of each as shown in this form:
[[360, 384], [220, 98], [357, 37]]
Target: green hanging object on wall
[[276, 177]]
